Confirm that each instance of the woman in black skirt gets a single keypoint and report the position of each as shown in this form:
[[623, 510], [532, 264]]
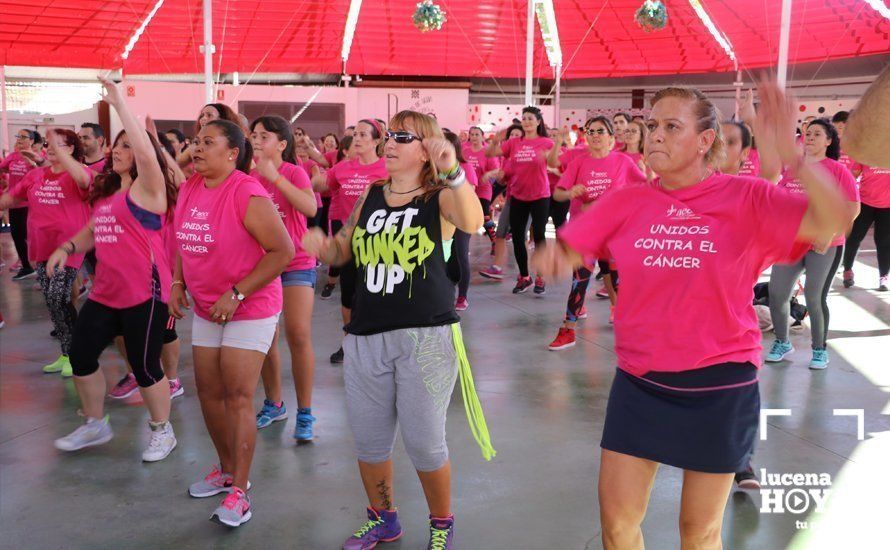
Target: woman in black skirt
[[690, 245]]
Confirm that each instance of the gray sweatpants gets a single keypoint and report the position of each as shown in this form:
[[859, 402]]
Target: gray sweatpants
[[402, 377], [820, 269]]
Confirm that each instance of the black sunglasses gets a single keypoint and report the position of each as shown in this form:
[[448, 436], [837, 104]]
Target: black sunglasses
[[600, 131], [402, 137]]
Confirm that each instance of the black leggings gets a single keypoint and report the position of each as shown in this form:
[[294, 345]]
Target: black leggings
[[323, 221], [459, 262], [18, 219], [57, 293], [881, 218], [333, 271], [142, 327], [348, 275], [520, 211], [559, 212]]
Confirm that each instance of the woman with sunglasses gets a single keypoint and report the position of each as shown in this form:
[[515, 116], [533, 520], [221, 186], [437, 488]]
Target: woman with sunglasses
[[691, 244], [56, 196], [346, 181], [16, 165], [587, 179], [822, 148], [403, 339], [529, 189]]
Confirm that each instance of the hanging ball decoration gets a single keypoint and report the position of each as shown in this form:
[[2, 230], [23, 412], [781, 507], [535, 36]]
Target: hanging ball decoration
[[651, 16], [428, 16]]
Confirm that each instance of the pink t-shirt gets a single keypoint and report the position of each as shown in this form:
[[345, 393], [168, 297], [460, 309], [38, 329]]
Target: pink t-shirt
[[17, 166], [849, 163], [470, 174], [216, 249], [58, 210], [599, 176], [293, 219], [98, 166], [841, 176], [126, 251], [568, 155], [689, 259], [751, 165], [347, 180], [528, 161], [874, 187], [481, 164]]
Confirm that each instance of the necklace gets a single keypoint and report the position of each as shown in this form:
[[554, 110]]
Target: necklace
[[389, 188]]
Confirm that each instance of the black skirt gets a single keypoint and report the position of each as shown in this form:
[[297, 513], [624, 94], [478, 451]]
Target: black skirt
[[703, 420]]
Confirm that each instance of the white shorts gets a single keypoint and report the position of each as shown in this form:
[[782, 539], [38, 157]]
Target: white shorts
[[253, 334]]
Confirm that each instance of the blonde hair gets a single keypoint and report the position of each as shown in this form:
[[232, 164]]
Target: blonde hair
[[424, 127], [707, 115], [643, 133]]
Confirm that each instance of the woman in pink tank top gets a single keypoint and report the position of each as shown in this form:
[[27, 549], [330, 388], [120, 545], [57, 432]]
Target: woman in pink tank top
[[292, 194], [131, 204], [231, 249]]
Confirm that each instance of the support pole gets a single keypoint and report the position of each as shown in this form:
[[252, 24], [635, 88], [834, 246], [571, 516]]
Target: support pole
[[738, 92], [208, 51], [784, 34], [529, 52], [557, 73], [4, 122]]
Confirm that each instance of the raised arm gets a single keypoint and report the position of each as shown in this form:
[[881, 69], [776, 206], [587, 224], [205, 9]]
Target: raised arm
[[827, 210], [75, 169], [865, 136], [149, 189], [494, 146]]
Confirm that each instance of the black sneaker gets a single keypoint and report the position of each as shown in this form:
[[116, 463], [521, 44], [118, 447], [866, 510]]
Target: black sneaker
[[522, 284], [747, 479], [539, 286], [327, 291], [24, 274], [337, 356]]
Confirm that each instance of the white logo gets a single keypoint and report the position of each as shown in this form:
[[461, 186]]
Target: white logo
[[675, 213], [795, 493], [198, 215]]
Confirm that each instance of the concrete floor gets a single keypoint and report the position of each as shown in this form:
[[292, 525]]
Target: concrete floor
[[544, 410]]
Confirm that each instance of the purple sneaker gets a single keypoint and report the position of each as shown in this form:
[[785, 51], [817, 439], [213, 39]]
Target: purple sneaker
[[380, 527], [441, 533]]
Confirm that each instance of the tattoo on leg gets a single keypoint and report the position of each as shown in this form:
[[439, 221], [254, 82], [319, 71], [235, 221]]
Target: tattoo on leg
[[383, 492]]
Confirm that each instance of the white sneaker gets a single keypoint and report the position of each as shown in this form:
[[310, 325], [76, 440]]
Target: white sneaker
[[95, 431], [162, 442]]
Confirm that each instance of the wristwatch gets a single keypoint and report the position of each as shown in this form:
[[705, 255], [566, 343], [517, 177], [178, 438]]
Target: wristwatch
[[236, 294]]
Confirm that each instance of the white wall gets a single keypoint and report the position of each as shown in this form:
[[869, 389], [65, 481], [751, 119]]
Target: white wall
[[182, 101], [41, 123]]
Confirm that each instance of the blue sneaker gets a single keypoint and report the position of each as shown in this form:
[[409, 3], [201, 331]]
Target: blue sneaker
[[820, 359], [441, 533], [270, 413], [780, 350], [380, 527], [303, 431]]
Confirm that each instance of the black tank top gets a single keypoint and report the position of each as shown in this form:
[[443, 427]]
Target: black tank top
[[401, 280]]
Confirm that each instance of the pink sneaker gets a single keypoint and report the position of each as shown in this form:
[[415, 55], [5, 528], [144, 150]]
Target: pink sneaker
[[234, 509], [125, 388], [175, 388], [462, 304], [493, 272]]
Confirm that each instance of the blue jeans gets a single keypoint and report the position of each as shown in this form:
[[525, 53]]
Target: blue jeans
[[300, 277]]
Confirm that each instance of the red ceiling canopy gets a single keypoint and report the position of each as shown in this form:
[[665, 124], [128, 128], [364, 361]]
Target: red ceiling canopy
[[482, 38]]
